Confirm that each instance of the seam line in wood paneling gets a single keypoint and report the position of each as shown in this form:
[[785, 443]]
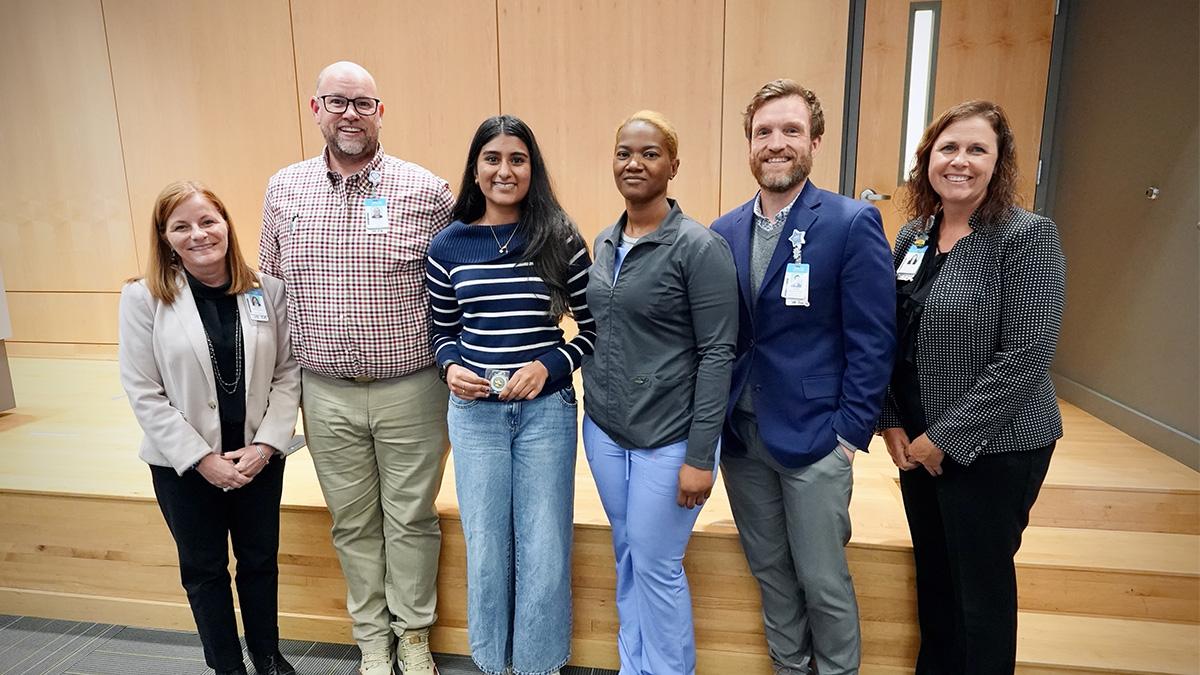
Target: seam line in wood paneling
[[499, 70], [112, 83], [721, 108], [296, 79]]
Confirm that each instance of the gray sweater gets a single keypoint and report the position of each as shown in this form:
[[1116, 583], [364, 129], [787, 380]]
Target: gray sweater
[[665, 334]]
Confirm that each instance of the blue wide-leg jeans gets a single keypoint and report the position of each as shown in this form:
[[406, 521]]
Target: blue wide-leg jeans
[[514, 470], [650, 532]]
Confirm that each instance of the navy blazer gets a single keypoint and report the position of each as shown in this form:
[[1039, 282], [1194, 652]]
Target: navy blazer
[[817, 372]]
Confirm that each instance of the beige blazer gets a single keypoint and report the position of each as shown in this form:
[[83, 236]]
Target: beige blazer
[[167, 373]]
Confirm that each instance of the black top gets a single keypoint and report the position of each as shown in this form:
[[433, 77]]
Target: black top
[[910, 304], [219, 314]]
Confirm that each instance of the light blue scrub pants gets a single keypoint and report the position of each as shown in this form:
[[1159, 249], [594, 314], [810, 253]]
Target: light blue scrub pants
[[650, 533]]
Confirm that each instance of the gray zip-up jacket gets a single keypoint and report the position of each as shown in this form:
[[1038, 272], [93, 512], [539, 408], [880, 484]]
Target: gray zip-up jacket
[[665, 333]]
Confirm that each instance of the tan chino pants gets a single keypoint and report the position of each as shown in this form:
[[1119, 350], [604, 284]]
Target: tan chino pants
[[379, 450]]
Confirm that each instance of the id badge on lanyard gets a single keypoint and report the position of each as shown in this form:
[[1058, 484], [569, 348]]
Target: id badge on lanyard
[[912, 262], [795, 285], [795, 278]]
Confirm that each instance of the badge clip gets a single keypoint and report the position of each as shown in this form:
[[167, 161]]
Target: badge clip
[[797, 239]]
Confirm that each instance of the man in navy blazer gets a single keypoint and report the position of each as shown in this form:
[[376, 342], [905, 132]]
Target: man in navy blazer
[[814, 355]]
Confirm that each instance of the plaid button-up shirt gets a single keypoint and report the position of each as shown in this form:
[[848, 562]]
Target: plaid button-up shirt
[[357, 304]]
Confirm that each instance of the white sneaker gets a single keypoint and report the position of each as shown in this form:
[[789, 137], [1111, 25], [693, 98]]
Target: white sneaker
[[414, 653], [376, 663]]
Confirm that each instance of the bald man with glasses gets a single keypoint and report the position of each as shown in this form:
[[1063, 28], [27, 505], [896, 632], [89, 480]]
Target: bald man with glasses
[[348, 232]]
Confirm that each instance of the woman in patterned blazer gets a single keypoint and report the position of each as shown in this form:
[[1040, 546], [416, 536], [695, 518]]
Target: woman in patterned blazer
[[971, 417]]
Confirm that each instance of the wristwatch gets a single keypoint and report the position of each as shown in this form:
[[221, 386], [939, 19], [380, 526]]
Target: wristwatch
[[442, 368]]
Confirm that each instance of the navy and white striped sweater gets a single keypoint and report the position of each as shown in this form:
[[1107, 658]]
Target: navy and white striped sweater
[[491, 310]]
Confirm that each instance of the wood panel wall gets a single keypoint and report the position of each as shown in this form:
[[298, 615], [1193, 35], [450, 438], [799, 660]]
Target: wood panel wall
[[766, 39], [204, 91], [974, 37], [434, 63], [577, 70], [66, 237], [125, 96]]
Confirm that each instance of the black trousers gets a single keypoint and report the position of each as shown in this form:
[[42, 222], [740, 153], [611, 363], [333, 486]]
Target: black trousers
[[202, 519], [966, 528]]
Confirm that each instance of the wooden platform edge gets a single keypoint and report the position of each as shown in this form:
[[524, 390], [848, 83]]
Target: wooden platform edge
[[111, 560], [592, 653]]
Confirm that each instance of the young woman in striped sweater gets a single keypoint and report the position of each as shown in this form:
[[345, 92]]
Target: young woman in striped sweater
[[501, 277]]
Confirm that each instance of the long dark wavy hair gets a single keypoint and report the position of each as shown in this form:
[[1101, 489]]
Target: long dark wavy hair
[[549, 235], [919, 199]]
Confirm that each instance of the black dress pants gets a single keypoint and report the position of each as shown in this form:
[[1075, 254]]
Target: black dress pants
[[202, 519], [966, 528]]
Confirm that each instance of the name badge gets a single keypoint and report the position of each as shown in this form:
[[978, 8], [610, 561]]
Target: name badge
[[795, 285], [257, 304], [376, 214], [911, 263]]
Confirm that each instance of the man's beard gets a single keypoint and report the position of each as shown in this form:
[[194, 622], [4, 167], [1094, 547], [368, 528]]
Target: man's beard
[[351, 148], [776, 182]]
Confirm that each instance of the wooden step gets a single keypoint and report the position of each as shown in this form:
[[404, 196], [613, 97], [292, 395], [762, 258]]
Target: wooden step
[[1159, 509], [1062, 644], [1099, 478], [1059, 643], [1103, 478], [1132, 575]]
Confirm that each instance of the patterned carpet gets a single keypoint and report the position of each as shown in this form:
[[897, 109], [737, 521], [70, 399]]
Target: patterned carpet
[[33, 646]]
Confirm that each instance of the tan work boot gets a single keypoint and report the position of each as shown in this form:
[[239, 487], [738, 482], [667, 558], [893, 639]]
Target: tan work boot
[[414, 653], [376, 663]]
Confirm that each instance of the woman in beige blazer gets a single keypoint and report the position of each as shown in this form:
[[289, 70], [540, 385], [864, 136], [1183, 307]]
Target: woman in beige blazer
[[206, 361]]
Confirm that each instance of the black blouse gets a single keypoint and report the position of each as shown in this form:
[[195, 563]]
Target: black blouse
[[910, 304], [219, 314]]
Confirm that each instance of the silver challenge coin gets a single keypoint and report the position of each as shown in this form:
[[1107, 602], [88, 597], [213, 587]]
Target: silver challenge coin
[[498, 379]]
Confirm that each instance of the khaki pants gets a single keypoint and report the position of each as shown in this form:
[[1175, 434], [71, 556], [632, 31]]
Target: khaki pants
[[379, 450]]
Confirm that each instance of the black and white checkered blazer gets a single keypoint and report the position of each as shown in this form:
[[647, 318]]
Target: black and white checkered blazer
[[988, 334]]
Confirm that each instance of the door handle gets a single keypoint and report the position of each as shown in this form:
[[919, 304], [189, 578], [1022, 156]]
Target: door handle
[[873, 196]]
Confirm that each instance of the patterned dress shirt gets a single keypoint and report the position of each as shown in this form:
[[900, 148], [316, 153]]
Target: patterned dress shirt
[[772, 225], [357, 305]]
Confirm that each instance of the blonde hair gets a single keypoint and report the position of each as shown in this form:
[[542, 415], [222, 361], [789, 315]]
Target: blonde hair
[[660, 122], [783, 88], [163, 268]]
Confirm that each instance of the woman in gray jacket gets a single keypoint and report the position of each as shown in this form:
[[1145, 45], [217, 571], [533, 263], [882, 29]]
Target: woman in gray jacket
[[663, 292]]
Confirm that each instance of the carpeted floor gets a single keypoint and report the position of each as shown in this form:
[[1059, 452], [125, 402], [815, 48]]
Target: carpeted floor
[[33, 646]]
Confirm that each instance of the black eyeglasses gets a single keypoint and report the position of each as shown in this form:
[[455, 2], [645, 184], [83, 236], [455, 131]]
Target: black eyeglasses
[[336, 105]]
